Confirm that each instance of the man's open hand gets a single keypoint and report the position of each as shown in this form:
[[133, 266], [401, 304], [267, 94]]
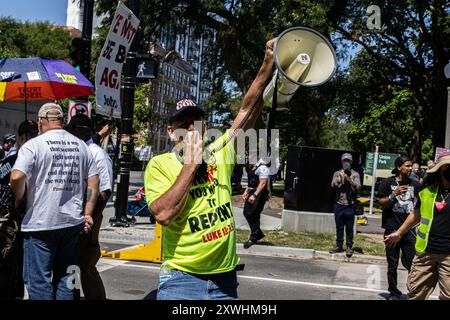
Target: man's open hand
[[193, 148]]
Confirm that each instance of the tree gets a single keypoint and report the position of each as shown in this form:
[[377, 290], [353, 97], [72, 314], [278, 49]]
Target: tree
[[22, 40], [401, 63], [407, 52]]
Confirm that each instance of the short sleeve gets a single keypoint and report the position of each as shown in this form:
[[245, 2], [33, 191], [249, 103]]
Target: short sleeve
[[104, 166], [383, 189], [156, 181], [264, 172], [92, 167], [26, 159]]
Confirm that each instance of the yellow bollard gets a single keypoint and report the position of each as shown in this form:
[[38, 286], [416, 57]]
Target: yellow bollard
[[150, 252]]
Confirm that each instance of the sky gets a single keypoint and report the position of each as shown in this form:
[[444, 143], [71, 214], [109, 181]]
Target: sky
[[55, 11]]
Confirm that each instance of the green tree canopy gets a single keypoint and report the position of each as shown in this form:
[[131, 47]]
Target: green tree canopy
[[41, 39]]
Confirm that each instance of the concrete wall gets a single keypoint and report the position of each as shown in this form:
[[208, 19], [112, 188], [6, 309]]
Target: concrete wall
[[304, 221]]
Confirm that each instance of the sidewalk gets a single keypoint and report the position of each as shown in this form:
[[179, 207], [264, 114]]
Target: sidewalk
[[143, 232]]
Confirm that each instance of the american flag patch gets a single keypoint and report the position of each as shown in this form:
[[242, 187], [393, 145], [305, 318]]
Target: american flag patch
[[185, 103]]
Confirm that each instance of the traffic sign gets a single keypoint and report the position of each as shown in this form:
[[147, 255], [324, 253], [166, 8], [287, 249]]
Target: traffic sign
[[146, 67], [386, 161], [79, 107]]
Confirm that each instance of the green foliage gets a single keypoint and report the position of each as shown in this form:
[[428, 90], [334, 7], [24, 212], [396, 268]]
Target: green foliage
[[22, 40], [393, 93], [145, 117]]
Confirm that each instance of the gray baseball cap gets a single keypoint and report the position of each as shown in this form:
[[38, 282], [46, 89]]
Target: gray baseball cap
[[347, 156]]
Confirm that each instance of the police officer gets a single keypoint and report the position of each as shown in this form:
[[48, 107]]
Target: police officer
[[255, 196]]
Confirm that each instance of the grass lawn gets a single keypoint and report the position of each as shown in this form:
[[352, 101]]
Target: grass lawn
[[363, 244]]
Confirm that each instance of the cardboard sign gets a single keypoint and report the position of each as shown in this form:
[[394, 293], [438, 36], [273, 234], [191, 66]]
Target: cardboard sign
[[439, 151], [109, 66]]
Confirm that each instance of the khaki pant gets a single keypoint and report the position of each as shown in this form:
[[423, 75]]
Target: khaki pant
[[429, 269]]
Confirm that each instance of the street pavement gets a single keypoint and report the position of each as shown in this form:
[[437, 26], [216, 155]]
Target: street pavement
[[266, 277]]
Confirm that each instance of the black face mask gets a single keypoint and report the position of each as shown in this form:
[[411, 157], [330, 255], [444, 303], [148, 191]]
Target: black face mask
[[446, 173]]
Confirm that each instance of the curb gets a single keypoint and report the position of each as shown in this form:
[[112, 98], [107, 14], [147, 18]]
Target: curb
[[262, 250], [300, 253], [285, 252]]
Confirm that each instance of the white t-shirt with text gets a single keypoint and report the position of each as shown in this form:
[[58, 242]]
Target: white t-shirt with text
[[104, 166], [57, 165]]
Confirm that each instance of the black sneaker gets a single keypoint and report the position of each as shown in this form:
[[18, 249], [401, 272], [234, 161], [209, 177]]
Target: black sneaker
[[349, 252], [249, 243], [336, 250], [393, 297]]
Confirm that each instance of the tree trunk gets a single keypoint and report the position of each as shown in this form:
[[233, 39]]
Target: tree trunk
[[417, 139]]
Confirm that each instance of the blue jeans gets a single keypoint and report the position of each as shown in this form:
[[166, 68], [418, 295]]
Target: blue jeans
[[179, 285], [344, 217], [47, 252]]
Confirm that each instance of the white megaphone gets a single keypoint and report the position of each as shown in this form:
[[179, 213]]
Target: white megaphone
[[303, 57]]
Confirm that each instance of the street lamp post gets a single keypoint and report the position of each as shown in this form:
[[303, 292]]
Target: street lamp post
[[126, 137]]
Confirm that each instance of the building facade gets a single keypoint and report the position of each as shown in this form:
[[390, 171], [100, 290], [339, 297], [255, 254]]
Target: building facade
[[75, 16], [172, 84]]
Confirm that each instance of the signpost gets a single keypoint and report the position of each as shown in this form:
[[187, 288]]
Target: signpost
[[374, 178], [108, 72], [384, 165], [378, 164], [79, 107]]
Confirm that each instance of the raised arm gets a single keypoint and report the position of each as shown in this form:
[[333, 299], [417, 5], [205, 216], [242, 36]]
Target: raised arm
[[254, 93]]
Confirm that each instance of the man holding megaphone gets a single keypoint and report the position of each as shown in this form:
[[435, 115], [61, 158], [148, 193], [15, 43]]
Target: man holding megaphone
[[190, 195]]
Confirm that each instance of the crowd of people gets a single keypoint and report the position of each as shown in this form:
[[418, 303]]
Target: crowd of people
[[55, 182], [410, 197]]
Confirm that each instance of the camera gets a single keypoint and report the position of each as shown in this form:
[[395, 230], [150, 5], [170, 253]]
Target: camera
[[348, 172]]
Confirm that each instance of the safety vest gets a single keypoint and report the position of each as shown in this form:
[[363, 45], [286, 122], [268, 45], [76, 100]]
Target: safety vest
[[427, 199]]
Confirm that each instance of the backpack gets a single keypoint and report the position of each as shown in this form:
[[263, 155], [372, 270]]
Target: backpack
[[9, 223]]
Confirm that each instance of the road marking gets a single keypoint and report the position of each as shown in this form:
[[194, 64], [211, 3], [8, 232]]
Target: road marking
[[303, 283]]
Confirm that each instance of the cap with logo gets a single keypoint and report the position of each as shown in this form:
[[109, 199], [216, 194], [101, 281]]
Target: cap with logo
[[184, 105], [51, 110], [347, 156]]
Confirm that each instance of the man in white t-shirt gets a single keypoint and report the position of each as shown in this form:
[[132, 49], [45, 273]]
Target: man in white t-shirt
[[88, 248], [58, 174]]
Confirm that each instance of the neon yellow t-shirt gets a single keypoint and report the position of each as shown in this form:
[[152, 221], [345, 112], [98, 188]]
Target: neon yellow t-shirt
[[201, 239]]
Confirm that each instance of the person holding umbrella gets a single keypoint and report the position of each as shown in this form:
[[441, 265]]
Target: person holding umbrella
[[431, 264]]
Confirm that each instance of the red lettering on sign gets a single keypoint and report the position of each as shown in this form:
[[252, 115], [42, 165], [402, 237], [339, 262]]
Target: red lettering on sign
[[119, 18], [110, 78], [128, 30]]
